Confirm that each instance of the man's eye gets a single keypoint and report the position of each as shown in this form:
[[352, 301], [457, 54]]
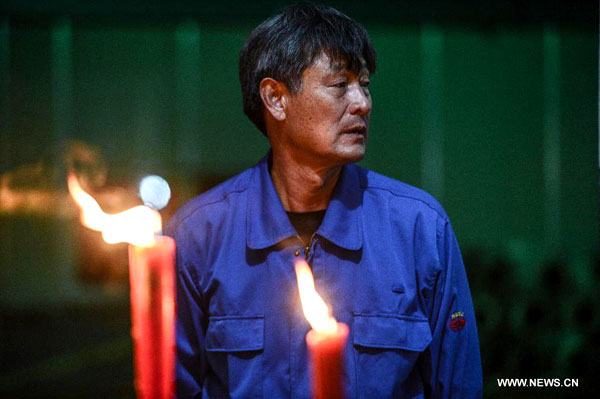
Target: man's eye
[[365, 83], [340, 85]]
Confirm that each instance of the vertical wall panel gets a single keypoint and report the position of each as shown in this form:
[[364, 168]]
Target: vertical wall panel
[[552, 175], [63, 263], [124, 92], [4, 93], [494, 140], [188, 93], [432, 115], [229, 141], [30, 93], [61, 79], [579, 154], [6, 239]]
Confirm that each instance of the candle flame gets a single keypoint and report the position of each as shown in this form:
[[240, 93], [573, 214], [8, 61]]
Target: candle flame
[[314, 307], [137, 225]]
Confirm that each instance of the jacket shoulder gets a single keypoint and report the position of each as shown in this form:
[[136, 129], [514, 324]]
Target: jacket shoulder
[[210, 201], [403, 193]]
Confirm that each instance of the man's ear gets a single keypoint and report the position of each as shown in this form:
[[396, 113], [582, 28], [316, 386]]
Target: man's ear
[[273, 94]]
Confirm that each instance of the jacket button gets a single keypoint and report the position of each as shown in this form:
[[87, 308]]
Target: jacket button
[[297, 253]]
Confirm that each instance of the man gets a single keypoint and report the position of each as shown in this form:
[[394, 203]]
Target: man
[[383, 253]]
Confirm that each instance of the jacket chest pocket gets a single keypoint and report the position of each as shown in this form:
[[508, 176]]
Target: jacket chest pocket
[[386, 348], [234, 348]]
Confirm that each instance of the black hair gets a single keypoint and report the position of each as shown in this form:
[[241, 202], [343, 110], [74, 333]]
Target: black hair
[[283, 46]]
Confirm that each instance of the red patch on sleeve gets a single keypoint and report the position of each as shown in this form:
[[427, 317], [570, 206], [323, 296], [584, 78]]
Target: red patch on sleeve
[[458, 322]]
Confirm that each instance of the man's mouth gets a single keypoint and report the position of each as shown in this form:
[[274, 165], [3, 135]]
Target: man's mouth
[[358, 129]]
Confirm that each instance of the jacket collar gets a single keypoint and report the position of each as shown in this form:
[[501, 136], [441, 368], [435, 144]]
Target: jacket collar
[[267, 223]]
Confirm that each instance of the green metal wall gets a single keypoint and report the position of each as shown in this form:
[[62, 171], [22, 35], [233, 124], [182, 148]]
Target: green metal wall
[[499, 125]]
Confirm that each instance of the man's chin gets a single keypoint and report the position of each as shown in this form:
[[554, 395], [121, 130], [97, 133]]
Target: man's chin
[[354, 154]]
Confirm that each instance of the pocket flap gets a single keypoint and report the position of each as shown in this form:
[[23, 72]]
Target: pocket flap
[[235, 334], [391, 332]]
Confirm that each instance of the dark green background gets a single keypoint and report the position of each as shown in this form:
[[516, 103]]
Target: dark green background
[[490, 106]]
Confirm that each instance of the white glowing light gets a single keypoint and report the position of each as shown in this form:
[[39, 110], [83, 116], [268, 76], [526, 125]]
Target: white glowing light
[[155, 192]]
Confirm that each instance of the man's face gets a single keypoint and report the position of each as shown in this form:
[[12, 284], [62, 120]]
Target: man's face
[[327, 122]]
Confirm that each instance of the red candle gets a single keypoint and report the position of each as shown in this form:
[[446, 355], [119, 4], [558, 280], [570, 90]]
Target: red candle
[[152, 278], [326, 341], [326, 351]]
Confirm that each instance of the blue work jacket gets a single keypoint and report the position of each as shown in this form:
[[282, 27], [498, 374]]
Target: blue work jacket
[[385, 259]]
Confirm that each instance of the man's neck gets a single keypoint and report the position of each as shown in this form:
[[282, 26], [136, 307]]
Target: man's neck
[[303, 188]]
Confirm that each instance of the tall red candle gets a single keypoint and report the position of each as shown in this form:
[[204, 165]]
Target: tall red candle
[[152, 279], [326, 352]]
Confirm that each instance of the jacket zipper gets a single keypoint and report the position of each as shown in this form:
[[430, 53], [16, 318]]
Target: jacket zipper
[[307, 247]]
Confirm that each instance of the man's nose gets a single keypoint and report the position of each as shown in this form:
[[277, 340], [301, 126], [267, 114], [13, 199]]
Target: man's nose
[[360, 101]]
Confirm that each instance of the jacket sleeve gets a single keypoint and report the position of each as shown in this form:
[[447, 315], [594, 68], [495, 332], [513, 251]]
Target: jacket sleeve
[[451, 366], [191, 363]]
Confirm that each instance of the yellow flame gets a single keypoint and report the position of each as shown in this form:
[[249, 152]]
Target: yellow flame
[[314, 307], [137, 225]]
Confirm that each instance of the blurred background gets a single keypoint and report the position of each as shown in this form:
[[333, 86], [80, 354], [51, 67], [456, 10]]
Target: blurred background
[[491, 106]]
